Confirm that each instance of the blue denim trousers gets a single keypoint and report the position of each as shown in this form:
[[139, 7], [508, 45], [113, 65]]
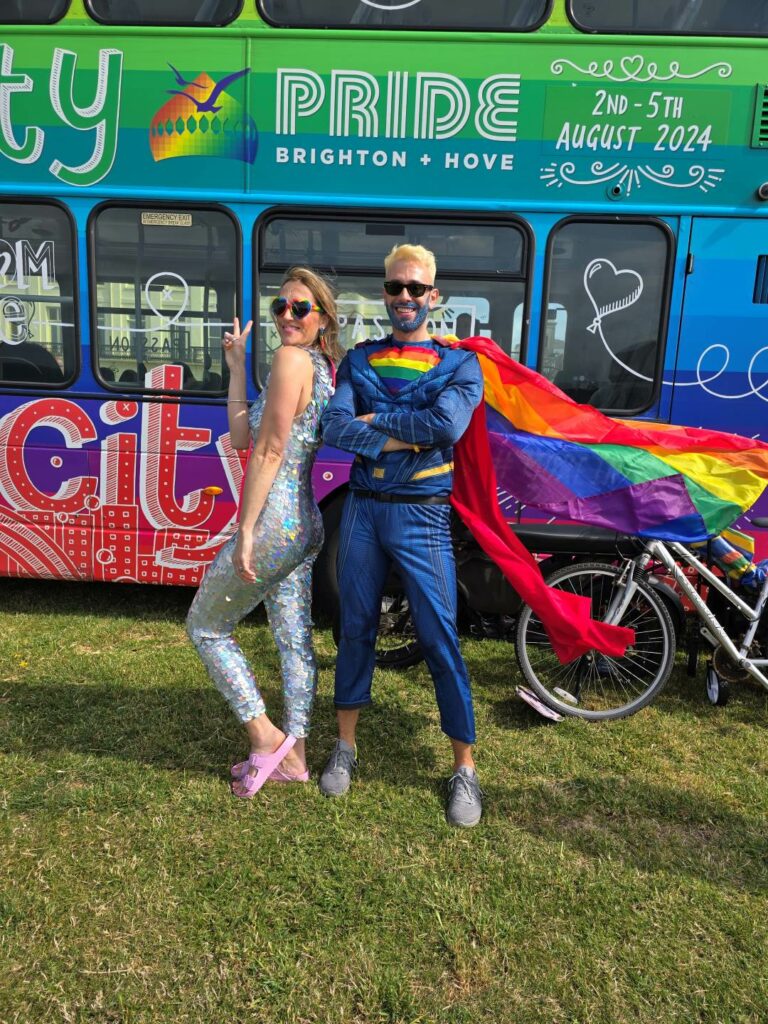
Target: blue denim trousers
[[417, 540]]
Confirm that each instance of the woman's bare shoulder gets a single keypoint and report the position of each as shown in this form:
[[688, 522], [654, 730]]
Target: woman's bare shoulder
[[291, 362], [291, 357]]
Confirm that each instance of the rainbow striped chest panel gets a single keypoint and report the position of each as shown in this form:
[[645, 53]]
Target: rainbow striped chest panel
[[398, 365], [388, 376]]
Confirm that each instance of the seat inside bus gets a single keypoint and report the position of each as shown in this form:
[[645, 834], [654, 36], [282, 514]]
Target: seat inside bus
[[29, 363]]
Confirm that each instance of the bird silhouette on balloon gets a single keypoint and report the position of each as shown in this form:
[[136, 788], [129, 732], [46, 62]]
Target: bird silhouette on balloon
[[207, 104]]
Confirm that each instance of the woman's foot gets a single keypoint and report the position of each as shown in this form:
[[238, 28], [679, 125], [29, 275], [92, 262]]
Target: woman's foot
[[293, 765], [260, 765]]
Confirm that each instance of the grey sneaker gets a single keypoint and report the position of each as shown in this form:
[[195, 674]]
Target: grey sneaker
[[465, 799], [337, 774]]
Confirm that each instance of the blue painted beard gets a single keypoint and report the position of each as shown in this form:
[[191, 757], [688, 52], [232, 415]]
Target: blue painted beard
[[408, 326]]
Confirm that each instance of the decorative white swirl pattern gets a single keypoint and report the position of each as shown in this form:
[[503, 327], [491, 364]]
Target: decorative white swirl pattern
[[628, 177], [635, 69], [756, 390]]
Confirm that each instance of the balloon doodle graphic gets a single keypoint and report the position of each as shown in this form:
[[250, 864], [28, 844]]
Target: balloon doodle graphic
[[167, 281], [609, 289]]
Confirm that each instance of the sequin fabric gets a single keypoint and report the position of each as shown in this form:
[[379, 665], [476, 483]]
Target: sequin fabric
[[286, 540]]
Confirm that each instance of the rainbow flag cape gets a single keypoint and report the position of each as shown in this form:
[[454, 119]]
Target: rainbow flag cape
[[653, 480]]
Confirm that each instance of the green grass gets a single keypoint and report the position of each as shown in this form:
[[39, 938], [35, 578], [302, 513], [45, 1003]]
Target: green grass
[[619, 874]]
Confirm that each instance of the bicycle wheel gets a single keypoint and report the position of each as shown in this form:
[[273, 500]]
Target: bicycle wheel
[[595, 686]]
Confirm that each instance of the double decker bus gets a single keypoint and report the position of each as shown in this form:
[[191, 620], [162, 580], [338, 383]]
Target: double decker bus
[[591, 174]]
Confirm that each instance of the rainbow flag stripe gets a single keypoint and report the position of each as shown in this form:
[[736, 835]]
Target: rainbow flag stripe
[[398, 365], [649, 479]]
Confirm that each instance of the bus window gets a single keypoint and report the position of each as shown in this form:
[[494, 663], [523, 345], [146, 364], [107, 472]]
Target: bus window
[[169, 12], [683, 17], [32, 12], [38, 334], [481, 274], [489, 15], [166, 287], [606, 302]]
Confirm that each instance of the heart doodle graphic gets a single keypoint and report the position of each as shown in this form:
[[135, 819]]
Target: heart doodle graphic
[[609, 289], [632, 66]]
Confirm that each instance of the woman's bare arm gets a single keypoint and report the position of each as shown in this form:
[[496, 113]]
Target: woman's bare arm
[[289, 380]]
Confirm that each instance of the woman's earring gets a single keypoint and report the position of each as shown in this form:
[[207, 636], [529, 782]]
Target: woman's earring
[[321, 336]]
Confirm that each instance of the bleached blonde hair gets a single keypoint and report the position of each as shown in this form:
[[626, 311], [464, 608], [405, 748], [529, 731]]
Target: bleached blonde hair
[[413, 254]]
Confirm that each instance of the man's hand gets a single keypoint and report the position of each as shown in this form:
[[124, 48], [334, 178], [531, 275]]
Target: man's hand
[[393, 445], [366, 417]]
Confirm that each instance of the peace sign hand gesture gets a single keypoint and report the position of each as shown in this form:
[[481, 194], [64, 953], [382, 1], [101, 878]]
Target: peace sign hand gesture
[[234, 344]]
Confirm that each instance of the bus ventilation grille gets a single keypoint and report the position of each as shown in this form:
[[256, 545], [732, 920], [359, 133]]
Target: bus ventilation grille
[[761, 281], [760, 126]]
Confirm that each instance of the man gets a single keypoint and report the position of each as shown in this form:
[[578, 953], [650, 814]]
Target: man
[[400, 405]]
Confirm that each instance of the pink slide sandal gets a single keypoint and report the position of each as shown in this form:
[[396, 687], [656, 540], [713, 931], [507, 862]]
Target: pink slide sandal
[[264, 764], [278, 775], [240, 770]]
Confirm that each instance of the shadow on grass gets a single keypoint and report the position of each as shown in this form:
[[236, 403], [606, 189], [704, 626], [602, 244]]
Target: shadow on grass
[[653, 827], [190, 729], [129, 600], [116, 600]]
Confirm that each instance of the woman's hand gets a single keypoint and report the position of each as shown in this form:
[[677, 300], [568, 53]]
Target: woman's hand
[[234, 344], [242, 558]]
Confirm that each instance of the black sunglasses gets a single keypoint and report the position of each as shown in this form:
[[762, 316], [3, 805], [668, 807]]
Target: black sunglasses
[[299, 309], [414, 288]]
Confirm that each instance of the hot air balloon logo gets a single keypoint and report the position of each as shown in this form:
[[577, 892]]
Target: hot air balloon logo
[[202, 119]]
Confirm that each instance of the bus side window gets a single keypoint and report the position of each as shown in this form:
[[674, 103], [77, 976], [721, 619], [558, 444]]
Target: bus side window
[[32, 12], [603, 336], [686, 17], [167, 285], [38, 332], [482, 269], [519, 15], [169, 12]]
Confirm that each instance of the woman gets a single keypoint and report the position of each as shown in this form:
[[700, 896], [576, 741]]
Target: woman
[[280, 530]]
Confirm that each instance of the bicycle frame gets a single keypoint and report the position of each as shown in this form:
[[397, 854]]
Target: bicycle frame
[[711, 629]]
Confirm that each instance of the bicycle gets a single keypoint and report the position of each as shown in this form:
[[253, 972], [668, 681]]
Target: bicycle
[[487, 600], [597, 687]]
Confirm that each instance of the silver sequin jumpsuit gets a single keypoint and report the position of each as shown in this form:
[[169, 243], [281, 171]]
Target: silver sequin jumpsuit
[[286, 540]]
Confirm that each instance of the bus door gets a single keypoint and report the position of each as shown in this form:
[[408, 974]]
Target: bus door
[[721, 379]]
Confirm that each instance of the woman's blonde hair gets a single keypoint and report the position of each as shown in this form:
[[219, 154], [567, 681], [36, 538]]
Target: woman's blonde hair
[[412, 254], [323, 292]]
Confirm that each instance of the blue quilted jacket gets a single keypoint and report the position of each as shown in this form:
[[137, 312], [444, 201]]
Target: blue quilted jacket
[[432, 412]]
